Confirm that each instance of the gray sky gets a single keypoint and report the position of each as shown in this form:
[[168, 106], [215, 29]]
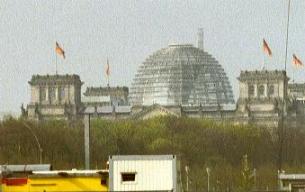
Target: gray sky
[[127, 31]]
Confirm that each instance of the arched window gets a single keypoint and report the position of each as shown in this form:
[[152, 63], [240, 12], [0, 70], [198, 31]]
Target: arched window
[[271, 90], [251, 90], [261, 90]]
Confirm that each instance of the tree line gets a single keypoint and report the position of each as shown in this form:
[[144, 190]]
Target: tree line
[[198, 143]]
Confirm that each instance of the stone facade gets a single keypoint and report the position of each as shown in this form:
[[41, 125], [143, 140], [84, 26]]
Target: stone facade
[[266, 98], [263, 96], [54, 96], [297, 91], [263, 84], [102, 96]]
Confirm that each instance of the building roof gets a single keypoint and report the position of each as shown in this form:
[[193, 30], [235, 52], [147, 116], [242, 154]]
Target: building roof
[[96, 99], [70, 173], [107, 109], [283, 176], [123, 109], [297, 86], [181, 75], [141, 157], [55, 79], [105, 91], [25, 168], [262, 75]]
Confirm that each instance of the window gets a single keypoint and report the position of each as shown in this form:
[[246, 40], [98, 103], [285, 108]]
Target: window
[[128, 177], [43, 94], [251, 90], [261, 90], [52, 94], [62, 93], [271, 90], [103, 182]]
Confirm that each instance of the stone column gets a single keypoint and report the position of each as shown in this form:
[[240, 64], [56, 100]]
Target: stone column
[[39, 94], [69, 94], [56, 94], [255, 90], [47, 94]]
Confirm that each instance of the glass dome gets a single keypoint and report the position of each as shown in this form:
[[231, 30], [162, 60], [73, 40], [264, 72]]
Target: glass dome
[[181, 75]]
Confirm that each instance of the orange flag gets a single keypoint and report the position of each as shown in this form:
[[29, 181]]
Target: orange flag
[[59, 50], [107, 69], [296, 61], [266, 48]]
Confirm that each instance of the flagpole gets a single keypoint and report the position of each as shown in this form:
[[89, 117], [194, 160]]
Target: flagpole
[[281, 125], [293, 71], [108, 86], [107, 80], [56, 64], [287, 35], [264, 62], [108, 72]]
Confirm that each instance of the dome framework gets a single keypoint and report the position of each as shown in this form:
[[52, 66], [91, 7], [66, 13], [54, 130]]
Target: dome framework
[[181, 75]]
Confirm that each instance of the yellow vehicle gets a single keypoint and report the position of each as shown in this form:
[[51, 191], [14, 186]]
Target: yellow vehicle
[[16, 184], [57, 181], [15, 177]]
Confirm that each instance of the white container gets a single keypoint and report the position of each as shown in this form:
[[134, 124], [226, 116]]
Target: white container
[[144, 173]]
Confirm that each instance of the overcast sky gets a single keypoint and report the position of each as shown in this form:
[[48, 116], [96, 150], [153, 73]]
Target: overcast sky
[[127, 31]]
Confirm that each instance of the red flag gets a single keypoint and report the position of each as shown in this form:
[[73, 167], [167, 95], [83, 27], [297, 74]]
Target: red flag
[[107, 69], [266, 48], [59, 50], [296, 61]]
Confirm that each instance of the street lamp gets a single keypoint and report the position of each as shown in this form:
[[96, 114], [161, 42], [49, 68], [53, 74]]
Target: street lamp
[[37, 141], [187, 170], [208, 173]]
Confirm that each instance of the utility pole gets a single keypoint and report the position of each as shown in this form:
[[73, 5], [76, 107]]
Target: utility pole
[[87, 140]]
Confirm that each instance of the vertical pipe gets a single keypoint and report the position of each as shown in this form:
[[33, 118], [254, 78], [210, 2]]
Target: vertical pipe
[[87, 140]]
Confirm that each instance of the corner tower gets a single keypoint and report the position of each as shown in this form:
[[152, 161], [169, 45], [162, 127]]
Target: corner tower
[[263, 94], [54, 96]]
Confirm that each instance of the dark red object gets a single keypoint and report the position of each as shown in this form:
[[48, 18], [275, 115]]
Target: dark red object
[[15, 181]]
